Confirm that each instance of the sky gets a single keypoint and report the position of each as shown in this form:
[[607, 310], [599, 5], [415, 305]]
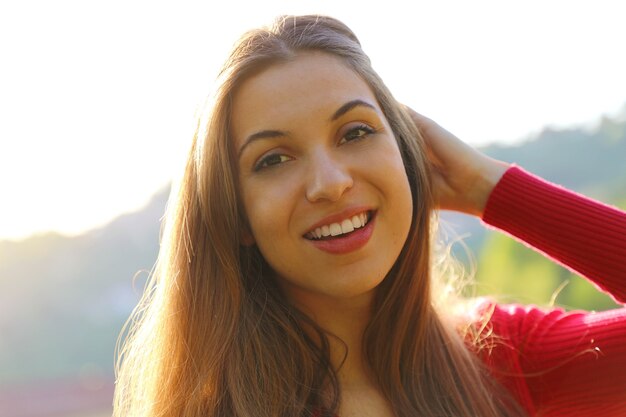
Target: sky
[[97, 98]]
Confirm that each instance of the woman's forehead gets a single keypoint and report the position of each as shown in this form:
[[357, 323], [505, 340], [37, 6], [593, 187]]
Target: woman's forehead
[[307, 87]]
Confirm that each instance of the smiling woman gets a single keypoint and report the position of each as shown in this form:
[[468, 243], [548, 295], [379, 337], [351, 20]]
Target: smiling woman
[[295, 276]]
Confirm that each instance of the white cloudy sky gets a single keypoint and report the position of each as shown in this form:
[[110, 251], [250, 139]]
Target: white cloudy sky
[[97, 97]]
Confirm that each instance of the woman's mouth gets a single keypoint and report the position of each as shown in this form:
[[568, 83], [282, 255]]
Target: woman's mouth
[[345, 236], [337, 229]]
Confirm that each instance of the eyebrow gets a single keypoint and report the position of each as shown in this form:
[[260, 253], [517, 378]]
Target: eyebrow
[[263, 134], [268, 134], [349, 106]]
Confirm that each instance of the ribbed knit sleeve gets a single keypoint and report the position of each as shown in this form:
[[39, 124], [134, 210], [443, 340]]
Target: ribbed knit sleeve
[[559, 363], [584, 235]]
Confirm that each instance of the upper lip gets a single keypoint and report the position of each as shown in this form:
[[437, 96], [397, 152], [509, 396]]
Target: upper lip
[[339, 216]]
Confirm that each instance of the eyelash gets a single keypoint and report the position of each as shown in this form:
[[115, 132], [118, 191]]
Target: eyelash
[[367, 129], [263, 163]]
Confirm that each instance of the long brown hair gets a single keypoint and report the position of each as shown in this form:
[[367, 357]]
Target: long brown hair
[[213, 336]]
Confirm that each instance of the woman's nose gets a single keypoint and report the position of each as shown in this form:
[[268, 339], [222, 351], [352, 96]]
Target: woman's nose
[[328, 179]]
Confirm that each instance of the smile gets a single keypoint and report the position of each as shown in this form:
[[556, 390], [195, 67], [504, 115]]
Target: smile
[[346, 226]]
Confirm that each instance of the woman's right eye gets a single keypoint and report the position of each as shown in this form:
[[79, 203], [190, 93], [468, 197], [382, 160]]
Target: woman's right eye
[[271, 160]]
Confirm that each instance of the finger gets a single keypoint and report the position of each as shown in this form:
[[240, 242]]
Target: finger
[[434, 135], [422, 123]]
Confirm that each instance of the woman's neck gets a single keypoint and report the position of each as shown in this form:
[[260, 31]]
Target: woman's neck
[[345, 321]]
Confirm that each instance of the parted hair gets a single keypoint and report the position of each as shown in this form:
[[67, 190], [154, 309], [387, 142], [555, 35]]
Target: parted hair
[[213, 335]]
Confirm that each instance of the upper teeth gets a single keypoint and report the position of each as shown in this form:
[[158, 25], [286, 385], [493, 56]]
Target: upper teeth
[[336, 229]]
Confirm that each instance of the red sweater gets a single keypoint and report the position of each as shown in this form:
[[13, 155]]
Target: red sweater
[[557, 363]]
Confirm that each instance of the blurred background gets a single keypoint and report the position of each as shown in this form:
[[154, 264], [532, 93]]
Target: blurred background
[[97, 102]]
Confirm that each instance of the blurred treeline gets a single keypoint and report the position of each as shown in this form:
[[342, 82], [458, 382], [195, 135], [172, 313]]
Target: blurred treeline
[[63, 300]]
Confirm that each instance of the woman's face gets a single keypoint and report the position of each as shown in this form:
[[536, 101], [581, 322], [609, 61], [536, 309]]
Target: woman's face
[[321, 177]]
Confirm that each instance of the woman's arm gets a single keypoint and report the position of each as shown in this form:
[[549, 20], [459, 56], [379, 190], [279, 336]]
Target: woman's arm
[[582, 234]]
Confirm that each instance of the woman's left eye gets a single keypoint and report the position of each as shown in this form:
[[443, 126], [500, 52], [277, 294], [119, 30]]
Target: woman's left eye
[[357, 132]]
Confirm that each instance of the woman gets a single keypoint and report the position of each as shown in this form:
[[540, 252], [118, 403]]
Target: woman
[[295, 272]]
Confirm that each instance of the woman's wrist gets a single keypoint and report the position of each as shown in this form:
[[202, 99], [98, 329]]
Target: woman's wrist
[[489, 178]]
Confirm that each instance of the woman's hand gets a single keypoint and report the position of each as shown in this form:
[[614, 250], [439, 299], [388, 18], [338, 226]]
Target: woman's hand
[[463, 177]]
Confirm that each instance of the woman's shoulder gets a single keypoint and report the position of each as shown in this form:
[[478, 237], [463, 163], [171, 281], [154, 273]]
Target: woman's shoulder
[[545, 356], [526, 325]]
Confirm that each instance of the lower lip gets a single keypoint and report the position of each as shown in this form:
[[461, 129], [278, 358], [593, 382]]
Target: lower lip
[[348, 243]]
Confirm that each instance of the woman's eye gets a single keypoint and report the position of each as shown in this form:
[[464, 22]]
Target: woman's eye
[[271, 160], [357, 132]]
